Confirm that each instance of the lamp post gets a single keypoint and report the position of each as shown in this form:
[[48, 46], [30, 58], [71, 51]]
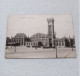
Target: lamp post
[[55, 45], [15, 47], [70, 41], [56, 51]]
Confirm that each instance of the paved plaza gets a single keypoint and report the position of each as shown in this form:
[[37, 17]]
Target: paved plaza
[[26, 52]]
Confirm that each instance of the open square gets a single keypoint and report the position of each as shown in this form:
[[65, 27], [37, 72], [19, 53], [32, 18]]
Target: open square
[[24, 52]]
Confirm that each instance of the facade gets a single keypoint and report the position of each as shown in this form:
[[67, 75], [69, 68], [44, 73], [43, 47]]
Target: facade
[[38, 39], [19, 38], [43, 40], [59, 42]]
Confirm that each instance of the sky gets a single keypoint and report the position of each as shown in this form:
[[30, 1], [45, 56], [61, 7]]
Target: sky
[[32, 24]]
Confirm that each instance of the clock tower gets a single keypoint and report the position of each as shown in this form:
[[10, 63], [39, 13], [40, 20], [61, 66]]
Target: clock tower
[[51, 34]]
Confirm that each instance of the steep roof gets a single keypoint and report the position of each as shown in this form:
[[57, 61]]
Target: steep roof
[[20, 35]]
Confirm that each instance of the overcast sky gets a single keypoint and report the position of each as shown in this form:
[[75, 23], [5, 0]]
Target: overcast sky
[[31, 24]]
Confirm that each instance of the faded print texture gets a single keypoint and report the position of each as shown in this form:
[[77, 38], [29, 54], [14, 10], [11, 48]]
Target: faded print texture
[[40, 36]]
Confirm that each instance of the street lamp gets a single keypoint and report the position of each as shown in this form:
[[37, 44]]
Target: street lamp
[[15, 47], [56, 51], [55, 44]]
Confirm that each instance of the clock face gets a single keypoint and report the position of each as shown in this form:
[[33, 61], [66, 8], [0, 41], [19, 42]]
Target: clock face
[[50, 23]]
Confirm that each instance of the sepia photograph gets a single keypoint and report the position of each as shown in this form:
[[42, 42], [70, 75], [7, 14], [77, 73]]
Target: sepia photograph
[[40, 36]]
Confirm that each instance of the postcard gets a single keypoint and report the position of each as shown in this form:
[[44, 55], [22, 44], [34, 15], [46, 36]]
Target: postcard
[[40, 36]]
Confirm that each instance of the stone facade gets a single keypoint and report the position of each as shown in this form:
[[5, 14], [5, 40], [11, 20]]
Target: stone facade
[[19, 38], [43, 38], [38, 38]]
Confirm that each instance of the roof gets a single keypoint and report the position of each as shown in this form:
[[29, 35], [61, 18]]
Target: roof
[[39, 34], [20, 35]]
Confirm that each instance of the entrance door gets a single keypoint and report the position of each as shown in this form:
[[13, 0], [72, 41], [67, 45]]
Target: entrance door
[[50, 42], [50, 45]]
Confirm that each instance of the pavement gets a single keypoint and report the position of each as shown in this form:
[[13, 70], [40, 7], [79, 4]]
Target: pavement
[[25, 52]]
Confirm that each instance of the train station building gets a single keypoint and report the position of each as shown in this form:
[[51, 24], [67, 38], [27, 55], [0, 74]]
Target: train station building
[[41, 39]]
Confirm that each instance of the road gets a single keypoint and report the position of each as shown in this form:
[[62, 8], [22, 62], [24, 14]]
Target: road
[[25, 52]]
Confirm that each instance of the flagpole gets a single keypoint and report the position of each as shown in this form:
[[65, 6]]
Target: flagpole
[[70, 41], [56, 52]]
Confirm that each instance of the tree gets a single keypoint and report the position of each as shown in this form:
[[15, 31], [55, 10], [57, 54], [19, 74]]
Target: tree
[[7, 40], [72, 42], [67, 43]]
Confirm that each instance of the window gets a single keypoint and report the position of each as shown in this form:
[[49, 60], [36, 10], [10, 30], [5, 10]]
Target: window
[[34, 44]]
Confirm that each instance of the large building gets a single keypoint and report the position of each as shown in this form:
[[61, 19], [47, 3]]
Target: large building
[[49, 40], [19, 38], [38, 39], [43, 40]]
